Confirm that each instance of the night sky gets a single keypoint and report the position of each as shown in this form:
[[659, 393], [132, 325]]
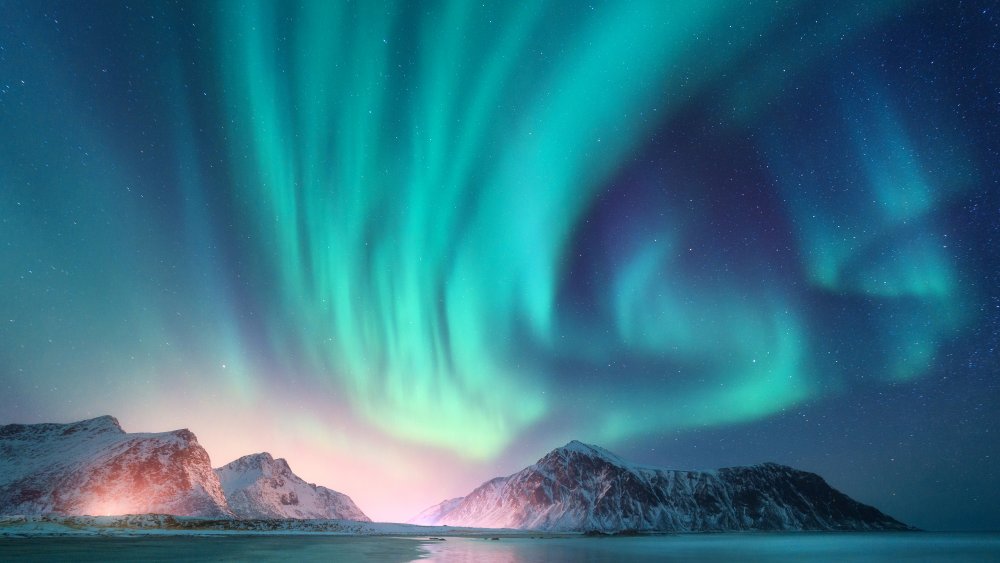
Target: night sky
[[412, 246]]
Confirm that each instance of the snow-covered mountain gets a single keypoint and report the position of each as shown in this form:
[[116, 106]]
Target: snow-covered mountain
[[437, 512], [581, 487], [259, 486], [94, 467]]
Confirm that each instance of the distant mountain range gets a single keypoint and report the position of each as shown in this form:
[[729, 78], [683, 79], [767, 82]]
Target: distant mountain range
[[580, 487], [94, 467]]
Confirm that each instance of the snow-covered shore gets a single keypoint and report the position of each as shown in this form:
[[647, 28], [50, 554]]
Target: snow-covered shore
[[163, 524]]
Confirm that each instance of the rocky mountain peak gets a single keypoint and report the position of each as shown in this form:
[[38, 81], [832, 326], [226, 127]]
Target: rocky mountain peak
[[257, 460], [93, 426], [576, 448], [262, 462], [260, 486], [186, 435], [94, 467], [580, 487], [105, 423]]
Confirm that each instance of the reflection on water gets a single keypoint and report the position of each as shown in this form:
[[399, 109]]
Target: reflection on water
[[712, 548], [151, 548], [750, 548]]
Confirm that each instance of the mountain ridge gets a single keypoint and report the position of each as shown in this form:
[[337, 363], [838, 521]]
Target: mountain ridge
[[261, 486], [93, 467], [582, 487]]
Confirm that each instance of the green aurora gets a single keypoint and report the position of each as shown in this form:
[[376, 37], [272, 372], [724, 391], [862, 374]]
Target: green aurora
[[420, 193], [452, 234]]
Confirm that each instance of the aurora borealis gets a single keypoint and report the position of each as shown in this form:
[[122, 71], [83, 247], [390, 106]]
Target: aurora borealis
[[413, 245]]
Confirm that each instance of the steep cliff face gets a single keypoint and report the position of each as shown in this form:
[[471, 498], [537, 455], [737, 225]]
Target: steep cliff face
[[94, 467], [259, 486], [583, 487]]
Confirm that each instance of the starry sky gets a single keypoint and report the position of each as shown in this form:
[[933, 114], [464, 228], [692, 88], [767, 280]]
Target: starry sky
[[410, 246]]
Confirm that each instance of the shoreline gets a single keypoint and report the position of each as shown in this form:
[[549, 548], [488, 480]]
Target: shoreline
[[40, 526], [160, 525]]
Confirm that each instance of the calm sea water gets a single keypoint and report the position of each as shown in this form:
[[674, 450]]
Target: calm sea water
[[744, 548], [750, 548]]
